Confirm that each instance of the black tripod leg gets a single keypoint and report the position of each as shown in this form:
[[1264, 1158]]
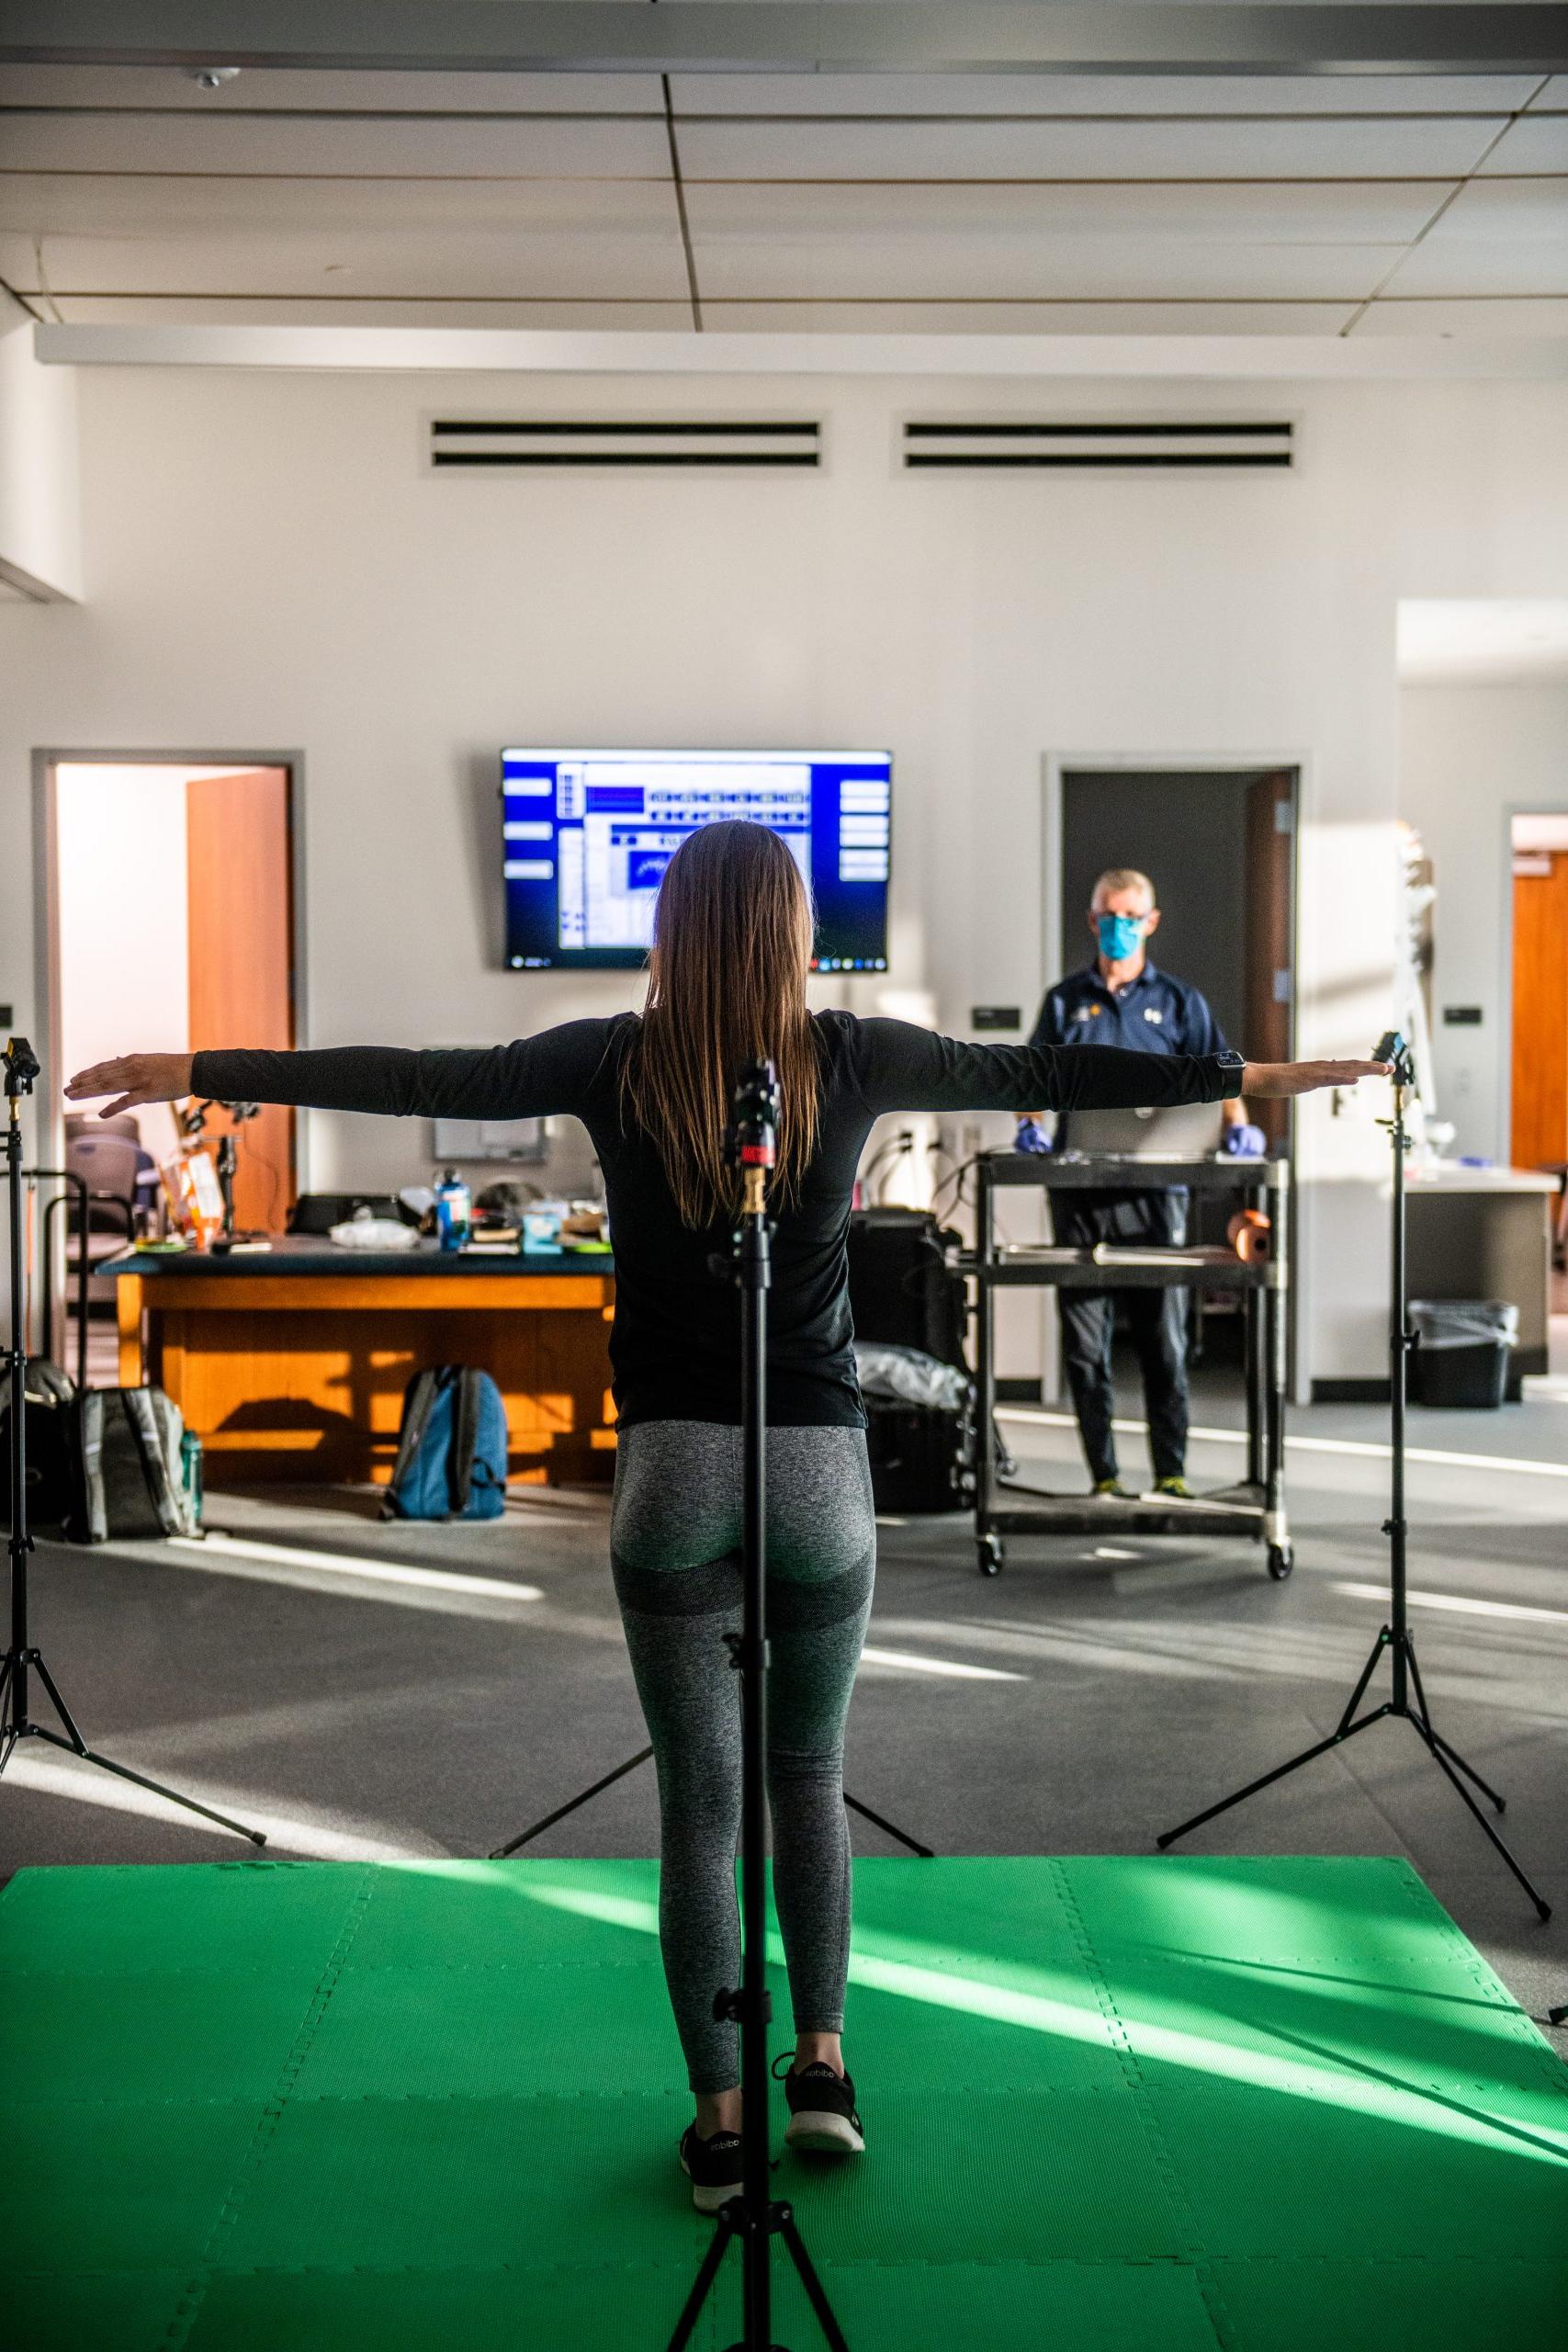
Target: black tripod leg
[[538, 1828], [1306, 1757], [61, 1709], [717, 2248], [1371, 1667], [1435, 1737], [891, 1826], [815, 2289], [1543, 1909], [124, 1772], [1468, 1770]]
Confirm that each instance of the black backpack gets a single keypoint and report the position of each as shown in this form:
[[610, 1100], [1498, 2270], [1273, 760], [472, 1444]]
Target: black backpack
[[50, 1432], [129, 1478]]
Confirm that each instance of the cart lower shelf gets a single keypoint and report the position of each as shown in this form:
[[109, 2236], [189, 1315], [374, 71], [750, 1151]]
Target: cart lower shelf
[[1238, 1512]]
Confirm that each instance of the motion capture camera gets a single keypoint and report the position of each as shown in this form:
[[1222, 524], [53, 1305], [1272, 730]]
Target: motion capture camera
[[21, 1067], [1394, 1049], [753, 1118]]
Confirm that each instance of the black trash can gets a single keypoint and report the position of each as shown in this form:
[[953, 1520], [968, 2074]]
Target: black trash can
[[1462, 1351]]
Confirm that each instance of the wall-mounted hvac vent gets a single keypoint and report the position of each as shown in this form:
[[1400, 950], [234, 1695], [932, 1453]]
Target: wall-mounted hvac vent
[[502, 444], [1146, 443]]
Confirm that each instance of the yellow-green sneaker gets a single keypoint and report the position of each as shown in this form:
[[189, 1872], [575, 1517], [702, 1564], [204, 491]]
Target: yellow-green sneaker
[[1115, 1489], [1178, 1488]]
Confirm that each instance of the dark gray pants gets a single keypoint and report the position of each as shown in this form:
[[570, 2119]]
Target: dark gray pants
[[675, 1544]]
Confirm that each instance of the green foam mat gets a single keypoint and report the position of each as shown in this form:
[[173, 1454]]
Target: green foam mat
[[1257, 2105]]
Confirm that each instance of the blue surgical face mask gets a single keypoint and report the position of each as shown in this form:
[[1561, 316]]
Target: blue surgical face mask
[[1119, 936]]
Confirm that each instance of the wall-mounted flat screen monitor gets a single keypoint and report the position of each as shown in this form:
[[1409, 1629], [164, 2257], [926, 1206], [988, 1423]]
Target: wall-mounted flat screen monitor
[[588, 835]]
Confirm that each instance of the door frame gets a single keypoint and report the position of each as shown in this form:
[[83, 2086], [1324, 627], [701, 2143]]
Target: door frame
[[1502, 1144], [46, 760], [1054, 765]]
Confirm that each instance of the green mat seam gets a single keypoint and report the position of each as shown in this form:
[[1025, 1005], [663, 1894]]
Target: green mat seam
[[190, 2298], [1479, 1969], [1193, 2256]]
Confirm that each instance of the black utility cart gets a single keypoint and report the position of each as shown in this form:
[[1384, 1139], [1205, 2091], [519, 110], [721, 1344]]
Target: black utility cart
[[1255, 1507]]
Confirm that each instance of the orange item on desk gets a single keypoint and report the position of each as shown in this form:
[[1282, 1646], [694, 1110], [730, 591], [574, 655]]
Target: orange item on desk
[[194, 1196]]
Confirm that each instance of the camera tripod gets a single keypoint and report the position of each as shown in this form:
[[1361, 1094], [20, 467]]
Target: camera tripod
[[24, 1656], [1407, 1701]]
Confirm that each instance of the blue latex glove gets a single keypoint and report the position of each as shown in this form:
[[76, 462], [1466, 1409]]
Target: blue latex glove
[[1246, 1142], [1031, 1136]]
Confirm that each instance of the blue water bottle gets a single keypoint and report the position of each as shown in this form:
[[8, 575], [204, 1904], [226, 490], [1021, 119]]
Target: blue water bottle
[[453, 1210]]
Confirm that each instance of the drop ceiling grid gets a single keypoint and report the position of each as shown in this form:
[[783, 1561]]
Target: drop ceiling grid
[[1025, 199]]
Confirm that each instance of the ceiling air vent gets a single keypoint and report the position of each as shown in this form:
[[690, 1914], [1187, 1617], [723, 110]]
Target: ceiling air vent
[[502, 444], [1148, 443]]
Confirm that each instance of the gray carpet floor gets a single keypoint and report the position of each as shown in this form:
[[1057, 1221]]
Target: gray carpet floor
[[1091, 1695]]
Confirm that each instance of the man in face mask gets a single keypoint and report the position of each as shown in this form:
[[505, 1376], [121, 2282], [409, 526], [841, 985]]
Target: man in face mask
[[1120, 999]]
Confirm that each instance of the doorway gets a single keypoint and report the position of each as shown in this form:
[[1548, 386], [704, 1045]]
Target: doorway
[[1219, 845], [171, 929], [1538, 1084]]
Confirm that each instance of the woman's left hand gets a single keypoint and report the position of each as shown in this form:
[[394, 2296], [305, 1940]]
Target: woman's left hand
[[1276, 1079]]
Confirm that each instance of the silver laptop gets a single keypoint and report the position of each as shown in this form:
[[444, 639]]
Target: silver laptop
[[1180, 1131]]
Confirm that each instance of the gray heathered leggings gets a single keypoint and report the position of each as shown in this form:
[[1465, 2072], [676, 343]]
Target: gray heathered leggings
[[675, 1540]]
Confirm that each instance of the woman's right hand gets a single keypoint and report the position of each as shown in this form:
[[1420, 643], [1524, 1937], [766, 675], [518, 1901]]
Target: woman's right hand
[[134, 1078]]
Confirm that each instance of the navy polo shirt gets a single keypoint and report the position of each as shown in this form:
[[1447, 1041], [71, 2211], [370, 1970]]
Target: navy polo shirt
[[1153, 1014]]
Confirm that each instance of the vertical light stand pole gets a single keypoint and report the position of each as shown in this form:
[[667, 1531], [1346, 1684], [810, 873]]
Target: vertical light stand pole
[[754, 2216], [16, 1721], [1395, 1636]]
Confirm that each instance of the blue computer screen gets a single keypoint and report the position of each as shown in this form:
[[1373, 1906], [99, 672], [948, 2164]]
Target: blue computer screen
[[588, 835]]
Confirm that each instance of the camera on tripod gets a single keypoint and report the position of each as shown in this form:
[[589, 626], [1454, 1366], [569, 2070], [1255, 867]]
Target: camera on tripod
[[749, 1140]]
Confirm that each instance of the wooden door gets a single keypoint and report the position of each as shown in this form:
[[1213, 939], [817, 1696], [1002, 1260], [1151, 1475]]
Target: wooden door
[[241, 980], [1270, 934], [1539, 1125]]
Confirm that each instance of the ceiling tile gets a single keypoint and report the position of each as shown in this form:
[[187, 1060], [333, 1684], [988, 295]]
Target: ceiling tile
[[1554, 97], [913, 265], [347, 92], [975, 220], [1083, 94], [1496, 317], [129, 206], [1536, 142], [606, 148], [278, 310], [598, 252], [1497, 237], [1026, 318], [909, 150]]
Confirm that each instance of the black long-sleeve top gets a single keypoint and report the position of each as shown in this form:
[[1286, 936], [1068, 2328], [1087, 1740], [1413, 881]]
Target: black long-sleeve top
[[674, 1347]]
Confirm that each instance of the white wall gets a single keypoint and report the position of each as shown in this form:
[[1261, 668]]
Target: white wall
[[1469, 755], [40, 537], [273, 569]]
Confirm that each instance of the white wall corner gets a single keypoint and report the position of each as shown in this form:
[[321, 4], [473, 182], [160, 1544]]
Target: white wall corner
[[41, 505]]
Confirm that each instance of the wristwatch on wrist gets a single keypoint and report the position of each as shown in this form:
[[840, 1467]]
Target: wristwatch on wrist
[[1231, 1065]]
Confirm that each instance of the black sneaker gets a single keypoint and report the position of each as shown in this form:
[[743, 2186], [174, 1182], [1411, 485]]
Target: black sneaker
[[713, 2167], [822, 2116]]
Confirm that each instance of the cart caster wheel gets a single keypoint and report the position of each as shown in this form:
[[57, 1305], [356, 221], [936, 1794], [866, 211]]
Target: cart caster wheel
[[1281, 1560], [989, 1555]]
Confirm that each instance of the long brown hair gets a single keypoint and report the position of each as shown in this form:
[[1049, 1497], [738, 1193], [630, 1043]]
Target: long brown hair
[[732, 935]]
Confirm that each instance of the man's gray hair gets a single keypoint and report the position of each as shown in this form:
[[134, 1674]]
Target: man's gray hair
[[1121, 877]]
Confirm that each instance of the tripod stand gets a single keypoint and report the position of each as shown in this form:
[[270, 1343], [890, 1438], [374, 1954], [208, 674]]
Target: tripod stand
[[16, 1722], [754, 2217], [1407, 1700]]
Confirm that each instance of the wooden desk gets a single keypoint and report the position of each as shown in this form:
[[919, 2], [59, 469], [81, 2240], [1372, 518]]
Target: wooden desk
[[291, 1362]]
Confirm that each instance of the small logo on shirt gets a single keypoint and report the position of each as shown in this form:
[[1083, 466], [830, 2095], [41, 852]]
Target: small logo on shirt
[[1087, 1012], [1153, 1012]]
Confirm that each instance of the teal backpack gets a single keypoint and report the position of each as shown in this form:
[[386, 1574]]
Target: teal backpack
[[451, 1448]]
